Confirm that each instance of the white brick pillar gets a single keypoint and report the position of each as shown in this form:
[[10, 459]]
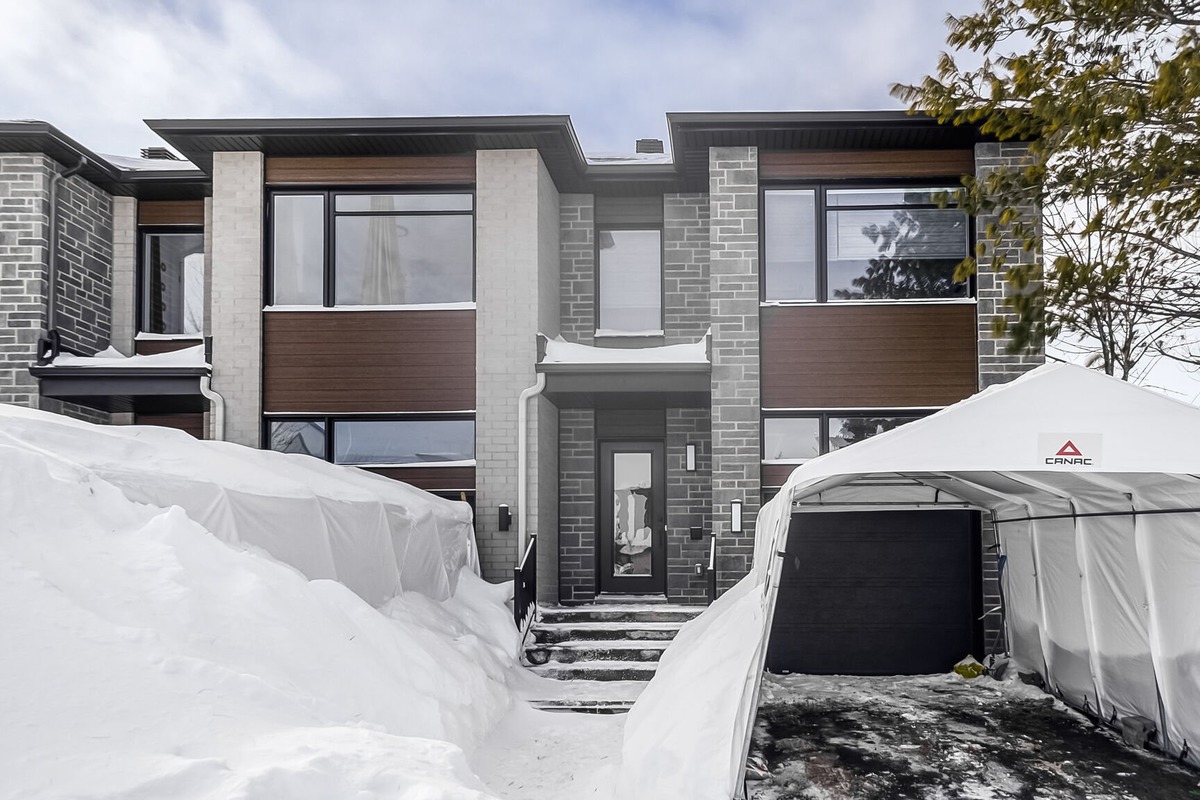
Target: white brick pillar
[[237, 275], [124, 274]]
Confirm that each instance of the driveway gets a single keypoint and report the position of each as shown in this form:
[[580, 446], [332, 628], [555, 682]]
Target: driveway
[[830, 738]]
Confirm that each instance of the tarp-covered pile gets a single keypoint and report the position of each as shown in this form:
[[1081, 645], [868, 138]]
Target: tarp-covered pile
[[1093, 486]]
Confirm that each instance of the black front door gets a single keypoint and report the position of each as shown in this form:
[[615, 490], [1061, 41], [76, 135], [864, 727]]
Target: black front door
[[633, 519]]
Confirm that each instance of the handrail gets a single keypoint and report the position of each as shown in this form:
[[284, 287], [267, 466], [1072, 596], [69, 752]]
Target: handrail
[[711, 572], [525, 584]]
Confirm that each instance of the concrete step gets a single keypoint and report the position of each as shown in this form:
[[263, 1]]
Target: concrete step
[[554, 633], [598, 671], [557, 615], [604, 650]]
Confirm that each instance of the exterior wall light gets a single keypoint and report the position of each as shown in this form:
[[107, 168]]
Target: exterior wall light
[[505, 517], [735, 516], [689, 463]]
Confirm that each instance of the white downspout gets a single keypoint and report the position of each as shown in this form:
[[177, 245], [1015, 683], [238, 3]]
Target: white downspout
[[523, 457], [218, 406]]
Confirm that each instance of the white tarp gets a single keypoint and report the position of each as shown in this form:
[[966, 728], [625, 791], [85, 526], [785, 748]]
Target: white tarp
[[376, 536], [1104, 606]]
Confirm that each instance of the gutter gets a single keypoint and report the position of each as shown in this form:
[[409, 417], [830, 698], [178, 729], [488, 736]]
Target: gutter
[[49, 347]]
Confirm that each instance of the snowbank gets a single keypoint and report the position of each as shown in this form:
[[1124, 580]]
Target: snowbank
[[144, 657], [377, 536]]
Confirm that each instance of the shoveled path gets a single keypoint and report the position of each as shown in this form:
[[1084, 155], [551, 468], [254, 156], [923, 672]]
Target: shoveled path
[[945, 737]]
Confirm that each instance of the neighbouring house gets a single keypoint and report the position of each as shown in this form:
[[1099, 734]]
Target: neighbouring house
[[621, 355]]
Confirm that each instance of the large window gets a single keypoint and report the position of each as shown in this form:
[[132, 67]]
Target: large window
[[172, 280], [396, 441], [839, 244], [792, 438], [362, 249], [630, 281]]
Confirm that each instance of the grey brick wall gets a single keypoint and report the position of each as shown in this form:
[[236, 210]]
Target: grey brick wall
[[577, 504], [24, 226], [577, 234], [124, 271], [995, 364], [237, 270], [85, 257], [687, 314], [734, 294], [689, 502]]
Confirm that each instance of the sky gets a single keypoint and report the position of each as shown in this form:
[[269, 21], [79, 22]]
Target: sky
[[96, 68]]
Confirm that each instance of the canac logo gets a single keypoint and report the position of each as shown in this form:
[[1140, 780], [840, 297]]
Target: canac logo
[[1069, 449]]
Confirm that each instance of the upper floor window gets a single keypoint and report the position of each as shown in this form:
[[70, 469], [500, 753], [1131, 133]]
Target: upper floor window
[[372, 249], [799, 437], [883, 243], [629, 281], [172, 282]]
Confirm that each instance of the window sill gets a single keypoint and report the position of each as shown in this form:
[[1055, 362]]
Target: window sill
[[468, 306], [169, 337], [914, 301], [466, 462], [604, 333], [787, 462]]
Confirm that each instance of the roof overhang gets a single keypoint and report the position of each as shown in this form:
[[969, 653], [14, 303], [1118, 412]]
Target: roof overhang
[[627, 385], [145, 390]]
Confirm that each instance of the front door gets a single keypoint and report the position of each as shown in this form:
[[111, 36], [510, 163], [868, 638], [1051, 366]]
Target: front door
[[632, 535]]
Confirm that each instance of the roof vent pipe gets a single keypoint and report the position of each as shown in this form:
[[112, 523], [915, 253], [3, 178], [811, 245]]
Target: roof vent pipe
[[49, 346], [649, 146]]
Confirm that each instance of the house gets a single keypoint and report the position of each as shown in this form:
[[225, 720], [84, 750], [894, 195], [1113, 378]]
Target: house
[[651, 341]]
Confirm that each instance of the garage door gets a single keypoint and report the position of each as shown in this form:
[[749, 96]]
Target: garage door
[[877, 593]]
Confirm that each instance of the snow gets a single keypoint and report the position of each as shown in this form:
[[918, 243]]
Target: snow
[[136, 164], [143, 336], [463, 306], [607, 159], [111, 357], [559, 351]]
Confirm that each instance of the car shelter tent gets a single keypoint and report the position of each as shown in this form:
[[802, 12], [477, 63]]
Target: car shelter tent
[[1092, 486]]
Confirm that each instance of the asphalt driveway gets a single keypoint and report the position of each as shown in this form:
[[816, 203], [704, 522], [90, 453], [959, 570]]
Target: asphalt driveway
[[830, 738]]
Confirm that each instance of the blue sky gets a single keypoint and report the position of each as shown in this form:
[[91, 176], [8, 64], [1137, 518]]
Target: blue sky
[[96, 68]]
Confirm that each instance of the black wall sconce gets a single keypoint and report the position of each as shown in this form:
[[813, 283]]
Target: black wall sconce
[[689, 462], [505, 517], [735, 516]]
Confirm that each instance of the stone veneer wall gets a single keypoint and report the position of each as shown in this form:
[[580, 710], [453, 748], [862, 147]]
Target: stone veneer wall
[[734, 298], [689, 503], [578, 271], [236, 296], [577, 504], [995, 364], [516, 286], [685, 267]]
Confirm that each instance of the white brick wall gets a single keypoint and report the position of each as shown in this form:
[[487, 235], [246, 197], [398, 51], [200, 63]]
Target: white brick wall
[[124, 274], [516, 290], [236, 295]]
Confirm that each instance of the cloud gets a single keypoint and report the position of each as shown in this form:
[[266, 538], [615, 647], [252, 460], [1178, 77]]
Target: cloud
[[96, 69]]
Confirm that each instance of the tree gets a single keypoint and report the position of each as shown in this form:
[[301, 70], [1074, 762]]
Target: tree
[[1107, 94]]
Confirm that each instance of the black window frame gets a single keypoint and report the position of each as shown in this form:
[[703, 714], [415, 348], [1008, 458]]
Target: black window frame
[[329, 195], [330, 431], [820, 226], [140, 280], [662, 277], [823, 416]]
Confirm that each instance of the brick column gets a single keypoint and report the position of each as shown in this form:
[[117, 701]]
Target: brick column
[[734, 293], [689, 503], [577, 230], [996, 365], [124, 271], [237, 275], [685, 267], [24, 231]]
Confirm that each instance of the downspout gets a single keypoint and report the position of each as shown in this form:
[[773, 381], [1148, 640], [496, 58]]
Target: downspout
[[523, 457], [48, 347], [217, 407]]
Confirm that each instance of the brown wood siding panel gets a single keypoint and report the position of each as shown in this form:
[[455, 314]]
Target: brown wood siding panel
[[866, 164], [776, 474], [869, 356], [171, 212], [460, 478], [368, 361], [151, 347], [372, 170], [188, 423]]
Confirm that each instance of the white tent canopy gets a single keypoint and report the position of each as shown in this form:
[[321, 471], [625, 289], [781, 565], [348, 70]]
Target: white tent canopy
[[1092, 484]]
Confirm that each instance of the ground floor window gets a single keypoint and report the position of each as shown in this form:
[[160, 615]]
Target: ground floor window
[[792, 437], [376, 441]]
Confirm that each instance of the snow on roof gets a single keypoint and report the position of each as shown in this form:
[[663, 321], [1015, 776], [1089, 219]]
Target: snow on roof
[[110, 357], [559, 351], [135, 164], [605, 159]]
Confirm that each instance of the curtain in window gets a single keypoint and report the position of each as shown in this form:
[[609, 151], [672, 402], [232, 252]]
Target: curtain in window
[[383, 278]]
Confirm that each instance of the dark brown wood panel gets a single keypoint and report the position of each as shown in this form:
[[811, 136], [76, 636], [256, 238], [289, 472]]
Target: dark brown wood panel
[[865, 164], [431, 478], [776, 474], [368, 170], [151, 347], [868, 356], [188, 423], [368, 361], [171, 212]]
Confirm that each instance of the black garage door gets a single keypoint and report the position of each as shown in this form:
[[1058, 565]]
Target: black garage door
[[878, 593]]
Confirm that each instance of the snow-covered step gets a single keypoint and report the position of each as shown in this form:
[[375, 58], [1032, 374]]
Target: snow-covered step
[[595, 650], [640, 631], [598, 670], [618, 613]]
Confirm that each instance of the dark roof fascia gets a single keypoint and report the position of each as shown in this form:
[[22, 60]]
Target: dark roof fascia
[[609, 368], [51, 370]]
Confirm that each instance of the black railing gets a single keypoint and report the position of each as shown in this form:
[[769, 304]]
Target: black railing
[[711, 572], [525, 583]]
